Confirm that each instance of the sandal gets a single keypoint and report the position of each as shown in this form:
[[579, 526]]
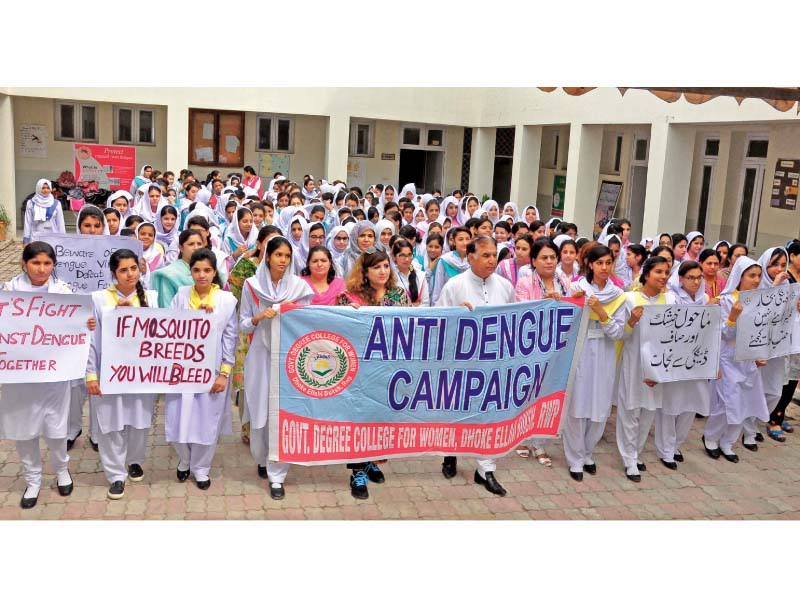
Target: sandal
[[523, 452], [787, 428], [543, 458], [245, 438], [776, 434]]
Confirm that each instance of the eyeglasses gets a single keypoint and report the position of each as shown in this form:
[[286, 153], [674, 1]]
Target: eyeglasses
[[695, 279], [316, 237], [342, 239], [403, 255]]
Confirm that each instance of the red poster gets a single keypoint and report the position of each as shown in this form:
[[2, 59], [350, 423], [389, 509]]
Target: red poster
[[112, 167]]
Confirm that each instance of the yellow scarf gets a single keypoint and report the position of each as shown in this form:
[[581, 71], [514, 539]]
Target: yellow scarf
[[196, 302], [610, 307], [113, 299]]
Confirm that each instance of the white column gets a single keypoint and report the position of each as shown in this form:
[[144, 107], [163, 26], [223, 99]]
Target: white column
[[525, 168], [583, 171], [177, 137], [337, 147], [8, 188], [481, 164], [669, 170]]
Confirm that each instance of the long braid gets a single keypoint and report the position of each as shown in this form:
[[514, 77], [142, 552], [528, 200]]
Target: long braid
[[140, 294]]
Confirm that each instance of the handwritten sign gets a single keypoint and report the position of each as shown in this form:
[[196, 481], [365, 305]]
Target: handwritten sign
[[82, 260], [154, 350], [43, 337], [764, 329], [680, 342]]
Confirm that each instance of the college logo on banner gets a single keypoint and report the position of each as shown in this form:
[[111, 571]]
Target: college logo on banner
[[322, 364]]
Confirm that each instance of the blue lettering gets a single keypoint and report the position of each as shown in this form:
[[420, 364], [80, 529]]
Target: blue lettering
[[527, 333], [447, 394], [475, 381], [492, 392], [402, 338], [463, 325], [405, 376], [565, 319], [423, 393], [487, 338], [521, 393], [377, 341]]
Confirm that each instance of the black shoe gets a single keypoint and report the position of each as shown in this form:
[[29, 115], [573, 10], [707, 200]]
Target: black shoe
[[759, 437], [635, 478], [182, 475], [641, 466], [94, 445], [678, 457], [117, 490], [262, 472], [751, 447], [670, 465], [449, 466], [374, 474], [490, 483], [135, 472], [590, 469], [358, 485], [71, 443], [204, 485], [715, 453], [730, 457], [65, 490], [276, 491], [577, 476], [28, 502]]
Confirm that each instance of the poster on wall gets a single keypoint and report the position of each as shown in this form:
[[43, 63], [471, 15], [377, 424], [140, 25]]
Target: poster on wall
[[559, 187], [356, 173], [607, 199], [112, 167], [33, 141], [269, 164], [784, 184]]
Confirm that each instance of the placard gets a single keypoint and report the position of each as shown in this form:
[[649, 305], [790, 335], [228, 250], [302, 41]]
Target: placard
[[158, 350], [607, 200], [43, 337], [350, 385], [784, 184], [680, 342], [82, 260], [112, 167], [764, 329], [559, 189], [33, 141]]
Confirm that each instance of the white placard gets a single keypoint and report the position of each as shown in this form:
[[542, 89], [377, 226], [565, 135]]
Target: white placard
[[33, 141], [764, 329], [158, 350], [82, 260], [680, 342], [43, 337]]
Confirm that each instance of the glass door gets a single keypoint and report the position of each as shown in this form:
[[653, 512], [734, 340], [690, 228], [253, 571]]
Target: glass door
[[750, 206]]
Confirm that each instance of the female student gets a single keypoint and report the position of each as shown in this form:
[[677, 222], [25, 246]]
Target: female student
[[167, 280], [635, 255], [121, 422], [739, 393], [121, 200], [682, 400], [778, 415], [152, 251], [320, 274], [637, 399], [543, 282], [362, 236], [594, 388], [29, 411], [567, 257], [371, 283], [151, 202], [142, 178], [43, 213], [694, 245], [273, 283], [713, 282], [113, 220], [451, 263], [408, 276], [241, 236], [514, 267], [167, 226], [194, 421]]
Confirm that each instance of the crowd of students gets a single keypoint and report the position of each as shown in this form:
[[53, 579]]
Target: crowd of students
[[234, 247]]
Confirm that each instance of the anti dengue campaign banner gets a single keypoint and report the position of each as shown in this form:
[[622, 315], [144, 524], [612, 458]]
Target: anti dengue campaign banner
[[390, 382], [43, 337]]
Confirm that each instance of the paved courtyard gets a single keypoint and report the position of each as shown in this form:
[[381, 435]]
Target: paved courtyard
[[763, 485]]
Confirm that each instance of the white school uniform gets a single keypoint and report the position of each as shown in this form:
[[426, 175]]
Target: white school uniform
[[259, 293], [636, 402], [29, 411], [193, 422], [120, 422], [593, 389]]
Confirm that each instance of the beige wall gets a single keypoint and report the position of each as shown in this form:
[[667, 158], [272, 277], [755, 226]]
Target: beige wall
[[60, 156]]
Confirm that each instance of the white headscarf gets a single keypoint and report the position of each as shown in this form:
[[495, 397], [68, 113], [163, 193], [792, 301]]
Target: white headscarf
[[119, 216], [443, 209], [142, 207], [165, 238], [463, 213], [489, 204], [40, 202], [524, 214], [290, 287], [719, 243], [674, 286], [329, 241], [409, 187], [763, 261], [560, 239], [150, 253], [515, 208], [609, 293], [689, 237], [120, 194], [234, 233], [379, 227], [299, 250], [22, 283], [740, 266]]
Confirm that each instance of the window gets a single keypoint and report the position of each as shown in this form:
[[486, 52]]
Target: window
[[362, 138], [274, 134], [411, 136], [216, 137], [435, 137], [555, 150], [422, 137], [134, 125], [76, 122], [618, 154], [712, 148], [757, 148], [640, 149]]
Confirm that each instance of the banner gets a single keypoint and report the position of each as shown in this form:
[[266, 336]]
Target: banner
[[369, 383], [764, 329], [785, 183], [680, 342], [43, 337], [559, 191], [112, 167], [82, 260], [154, 350]]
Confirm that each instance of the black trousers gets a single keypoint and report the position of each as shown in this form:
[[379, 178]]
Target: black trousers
[[776, 418]]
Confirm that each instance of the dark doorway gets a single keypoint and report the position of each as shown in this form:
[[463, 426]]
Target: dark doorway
[[501, 184], [423, 168]]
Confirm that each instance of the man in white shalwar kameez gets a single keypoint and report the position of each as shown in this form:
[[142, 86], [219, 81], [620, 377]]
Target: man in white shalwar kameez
[[478, 286]]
